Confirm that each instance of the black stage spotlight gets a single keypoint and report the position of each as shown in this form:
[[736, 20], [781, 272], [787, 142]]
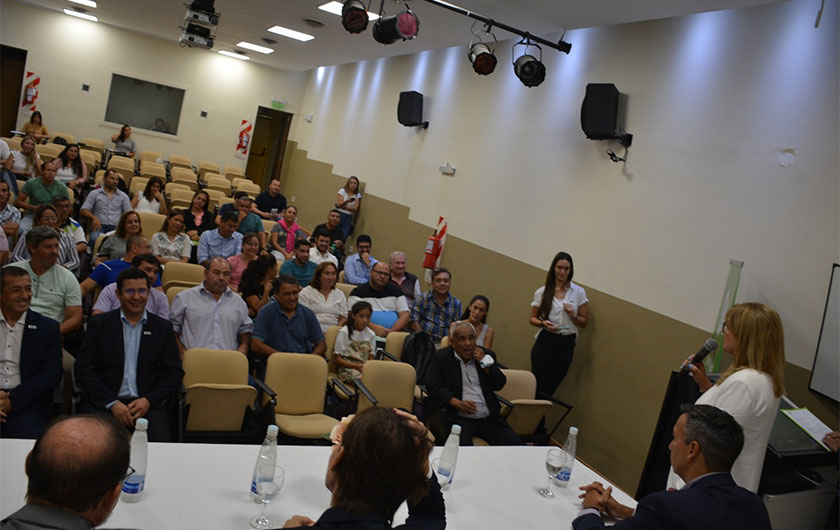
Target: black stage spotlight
[[482, 58], [404, 25], [529, 69], [354, 16]]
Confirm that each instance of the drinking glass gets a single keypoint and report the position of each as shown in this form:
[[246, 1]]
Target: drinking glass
[[269, 483], [554, 460]]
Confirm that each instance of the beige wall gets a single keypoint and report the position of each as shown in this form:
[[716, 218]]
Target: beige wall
[[67, 52]]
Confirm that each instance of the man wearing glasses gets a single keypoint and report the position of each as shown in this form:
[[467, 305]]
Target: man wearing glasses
[[390, 309], [76, 470], [128, 364]]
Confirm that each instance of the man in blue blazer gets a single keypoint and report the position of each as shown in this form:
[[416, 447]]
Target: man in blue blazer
[[30, 360], [706, 443], [128, 363]]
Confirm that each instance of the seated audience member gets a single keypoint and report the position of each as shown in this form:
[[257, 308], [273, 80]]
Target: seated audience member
[[250, 251], [24, 163], [284, 325], [435, 310], [69, 225], [114, 245], [379, 443], [408, 283], [257, 283], [223, 241], [706, 443], [38, 191], [104, 206], [4, 248], [467, 391], [76, 471], [248, 221], [70, 168], [197, 219], [158, 302], [210, 315], [285, 233], [68, 257], [390, 310], [476, 314], [56, 293], [336, 235], [35, 127], [128, 363], [172, 243], [9, 215], [106, 273], [300, 267], [151, 200], [30, 367], [355, 343], [328, 303], [357, 266], [320, 251], [270, 203], [123, 143]]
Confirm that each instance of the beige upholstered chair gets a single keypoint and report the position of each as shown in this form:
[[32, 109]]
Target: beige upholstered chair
[[173, 291], [215, 197], [185, 177], [150, 156], [69, 138], [300, 382], [346, 288], [124, 166], [93, 144], [180, 161], [390, 384], [181, 274], [171, 187], [216, 389], [233, 171], [138, 184], [394, 343], [205, 166], [151, 223]]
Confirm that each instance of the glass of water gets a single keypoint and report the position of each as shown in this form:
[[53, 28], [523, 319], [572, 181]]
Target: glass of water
[[269, 484], [554, 460]]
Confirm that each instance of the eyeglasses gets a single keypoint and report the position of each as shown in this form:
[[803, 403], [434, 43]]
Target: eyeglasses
[[383, 273], [132, 292], [130, 472]]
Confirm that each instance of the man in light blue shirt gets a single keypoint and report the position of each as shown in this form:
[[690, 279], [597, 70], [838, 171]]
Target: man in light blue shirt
[[357, 266], [224, 241]]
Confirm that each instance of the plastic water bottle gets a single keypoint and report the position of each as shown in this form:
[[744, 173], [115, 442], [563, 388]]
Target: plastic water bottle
[[132, 488], [450, 456], [568, 448], [267, 458]]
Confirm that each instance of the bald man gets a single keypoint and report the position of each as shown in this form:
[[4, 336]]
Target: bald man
[[76, 470]]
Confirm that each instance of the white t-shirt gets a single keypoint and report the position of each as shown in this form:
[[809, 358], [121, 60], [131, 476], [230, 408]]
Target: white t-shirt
[[344, 197], [326, 310], [66, 174], [19, 164], [575, 295], [4, 151], [143, 205]]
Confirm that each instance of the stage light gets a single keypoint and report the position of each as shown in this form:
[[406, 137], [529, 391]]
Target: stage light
[[354, 16], [529, 69], [482, 58], [404, 25]]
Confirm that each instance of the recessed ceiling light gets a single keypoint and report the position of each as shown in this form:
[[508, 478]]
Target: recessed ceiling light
[[292, 34], [239, 56], [255, 47], [89, 3], [335, 9], [80, 15]]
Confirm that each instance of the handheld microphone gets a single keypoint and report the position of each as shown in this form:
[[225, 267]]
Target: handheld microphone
[[709, 346]]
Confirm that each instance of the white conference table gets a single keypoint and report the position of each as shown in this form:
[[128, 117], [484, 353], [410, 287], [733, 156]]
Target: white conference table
[[205, 486]]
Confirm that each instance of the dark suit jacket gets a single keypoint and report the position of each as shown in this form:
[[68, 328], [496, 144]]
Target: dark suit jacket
[[99, 366], [714, 502], [40, 368], [444, 380]]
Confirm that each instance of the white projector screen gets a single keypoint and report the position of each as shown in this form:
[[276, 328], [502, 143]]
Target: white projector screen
[[825, 376]]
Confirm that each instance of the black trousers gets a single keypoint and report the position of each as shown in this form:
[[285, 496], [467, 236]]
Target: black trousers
[[493, 430], [158, 430], [551, 357], [26, 423]]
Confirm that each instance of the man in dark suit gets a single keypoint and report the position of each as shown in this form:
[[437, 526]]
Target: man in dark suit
[[463, 378], [128, 363], [706, 443], [30, 358]]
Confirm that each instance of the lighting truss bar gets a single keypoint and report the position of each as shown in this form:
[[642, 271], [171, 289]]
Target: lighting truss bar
[[560, 45]]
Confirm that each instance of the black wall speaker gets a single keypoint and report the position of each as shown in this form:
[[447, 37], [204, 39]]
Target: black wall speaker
[[410, 109], [599, 112]]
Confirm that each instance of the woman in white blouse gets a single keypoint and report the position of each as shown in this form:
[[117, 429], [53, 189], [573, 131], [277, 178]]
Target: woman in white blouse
[[151, 200], [328, 303], [750, 388], [172, 243], [349, 202], [559, 309]]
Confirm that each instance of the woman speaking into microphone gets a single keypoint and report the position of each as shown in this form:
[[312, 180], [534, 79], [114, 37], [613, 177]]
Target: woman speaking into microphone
[[560, 308]]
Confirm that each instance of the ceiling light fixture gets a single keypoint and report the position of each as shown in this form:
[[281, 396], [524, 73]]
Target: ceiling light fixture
[[354, 16], [290, 33], [529, 69], [88, 3], [482, 55], [336, 7], [255, 47], [79, 14], [240, 56], [404, 25]]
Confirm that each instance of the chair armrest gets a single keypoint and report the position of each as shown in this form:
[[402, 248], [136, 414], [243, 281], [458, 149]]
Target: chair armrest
[[568, 406], [341, 386], [365, 391], [506, 402], [264, 388], [380, 353]]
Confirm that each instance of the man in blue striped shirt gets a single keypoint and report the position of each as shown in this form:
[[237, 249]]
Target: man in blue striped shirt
[[435, 310]]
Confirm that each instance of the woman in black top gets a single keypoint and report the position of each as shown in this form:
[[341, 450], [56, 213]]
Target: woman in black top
[[256, 283], [197, 220]]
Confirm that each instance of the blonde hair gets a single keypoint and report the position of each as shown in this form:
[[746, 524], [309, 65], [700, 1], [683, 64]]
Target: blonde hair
[[760, 342]]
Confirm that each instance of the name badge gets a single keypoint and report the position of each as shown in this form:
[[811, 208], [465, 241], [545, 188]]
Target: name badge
[[147, 333], [32, 326]]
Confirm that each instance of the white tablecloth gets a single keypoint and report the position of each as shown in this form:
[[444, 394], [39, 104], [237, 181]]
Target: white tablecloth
[[206, 487]]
